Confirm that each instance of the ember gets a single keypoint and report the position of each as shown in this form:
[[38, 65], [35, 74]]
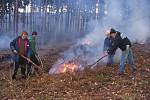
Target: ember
[[70, 66]]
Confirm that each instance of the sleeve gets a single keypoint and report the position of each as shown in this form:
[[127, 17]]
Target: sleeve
[[29, 44], [114, 46], [12, 44], [30, 41], [105, 48]]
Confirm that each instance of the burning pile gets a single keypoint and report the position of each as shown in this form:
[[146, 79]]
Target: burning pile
[[76, 58], [69, 67], [63, 67]]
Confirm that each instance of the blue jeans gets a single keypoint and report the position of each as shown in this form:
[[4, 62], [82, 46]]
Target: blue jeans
[[110, 60], [126, 55]]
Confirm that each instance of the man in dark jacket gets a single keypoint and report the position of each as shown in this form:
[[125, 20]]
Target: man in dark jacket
[[20, 46], [121, 41], [108, 42]]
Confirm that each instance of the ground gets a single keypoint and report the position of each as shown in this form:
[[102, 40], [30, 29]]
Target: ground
[[101, 83]]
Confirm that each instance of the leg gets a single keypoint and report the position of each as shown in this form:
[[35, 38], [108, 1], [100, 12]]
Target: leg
[[35, 60], [23, 70], [29, 69], [123, 61], [16, 67], [111, 59], [131, 60]]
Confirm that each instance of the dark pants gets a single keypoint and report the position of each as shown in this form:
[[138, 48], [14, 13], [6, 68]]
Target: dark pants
[[21, 62], [34, 60]]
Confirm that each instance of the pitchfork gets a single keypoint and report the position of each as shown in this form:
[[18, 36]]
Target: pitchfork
[[92, 65]]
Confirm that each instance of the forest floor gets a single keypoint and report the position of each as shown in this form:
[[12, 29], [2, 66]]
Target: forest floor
[[101, 83]]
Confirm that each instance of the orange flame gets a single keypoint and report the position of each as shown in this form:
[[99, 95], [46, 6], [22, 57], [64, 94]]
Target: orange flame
[[71, 67]]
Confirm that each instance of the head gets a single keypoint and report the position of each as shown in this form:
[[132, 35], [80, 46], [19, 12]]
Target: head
[[24, 35], [112, 33], [107, 33], [34, 34]]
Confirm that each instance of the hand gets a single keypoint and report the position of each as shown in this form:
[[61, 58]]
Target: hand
[[15, 51], [105, 53]]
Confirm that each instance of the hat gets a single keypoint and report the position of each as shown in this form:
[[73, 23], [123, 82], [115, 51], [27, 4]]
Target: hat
[[107, 32], [34, 33], [24, 33], [112, 30]]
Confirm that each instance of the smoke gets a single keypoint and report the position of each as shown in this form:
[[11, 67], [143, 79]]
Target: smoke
[[4, 41], [129, 17], [139, 21]]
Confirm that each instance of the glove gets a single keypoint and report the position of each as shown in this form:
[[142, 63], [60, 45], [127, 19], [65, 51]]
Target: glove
[[15, 51], [105, 52]]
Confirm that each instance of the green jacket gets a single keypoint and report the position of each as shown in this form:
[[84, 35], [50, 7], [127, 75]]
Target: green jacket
[[32, 43]]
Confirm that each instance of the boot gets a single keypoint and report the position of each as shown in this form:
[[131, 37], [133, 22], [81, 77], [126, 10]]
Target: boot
[[14, 77]]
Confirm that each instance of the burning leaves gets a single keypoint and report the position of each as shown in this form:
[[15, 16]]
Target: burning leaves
[[69, 67]]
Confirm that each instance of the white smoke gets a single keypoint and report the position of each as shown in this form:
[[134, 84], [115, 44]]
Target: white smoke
[[4, 42], [129, 17]]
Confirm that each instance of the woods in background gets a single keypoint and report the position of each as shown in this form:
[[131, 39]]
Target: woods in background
[[51, 18]]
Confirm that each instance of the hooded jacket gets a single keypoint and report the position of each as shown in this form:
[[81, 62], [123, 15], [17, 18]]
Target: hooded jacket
[[120, 41]]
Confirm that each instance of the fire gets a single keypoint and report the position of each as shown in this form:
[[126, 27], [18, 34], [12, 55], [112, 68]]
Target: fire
[[69, 67]]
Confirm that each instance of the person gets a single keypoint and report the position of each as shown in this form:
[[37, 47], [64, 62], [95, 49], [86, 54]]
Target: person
[[33, 52], [108, 42], [32, 41], [20, 46], [122, 41]]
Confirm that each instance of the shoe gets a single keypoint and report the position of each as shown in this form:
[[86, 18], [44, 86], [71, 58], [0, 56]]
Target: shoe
[[13, 77]]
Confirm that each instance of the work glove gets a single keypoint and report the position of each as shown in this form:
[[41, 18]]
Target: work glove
[[15, 51]]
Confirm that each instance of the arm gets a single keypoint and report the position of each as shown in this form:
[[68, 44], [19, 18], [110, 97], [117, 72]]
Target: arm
[[12, 44], [114, 46], [105, 48]]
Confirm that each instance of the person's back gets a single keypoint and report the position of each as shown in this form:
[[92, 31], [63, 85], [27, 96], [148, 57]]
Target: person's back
[[123, 40]]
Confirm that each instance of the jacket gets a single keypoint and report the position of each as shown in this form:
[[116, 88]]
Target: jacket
[[15, 45], [120, 41]]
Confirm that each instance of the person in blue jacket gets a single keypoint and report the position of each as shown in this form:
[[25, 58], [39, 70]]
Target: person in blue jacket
[[20, 46], [108, 42]]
